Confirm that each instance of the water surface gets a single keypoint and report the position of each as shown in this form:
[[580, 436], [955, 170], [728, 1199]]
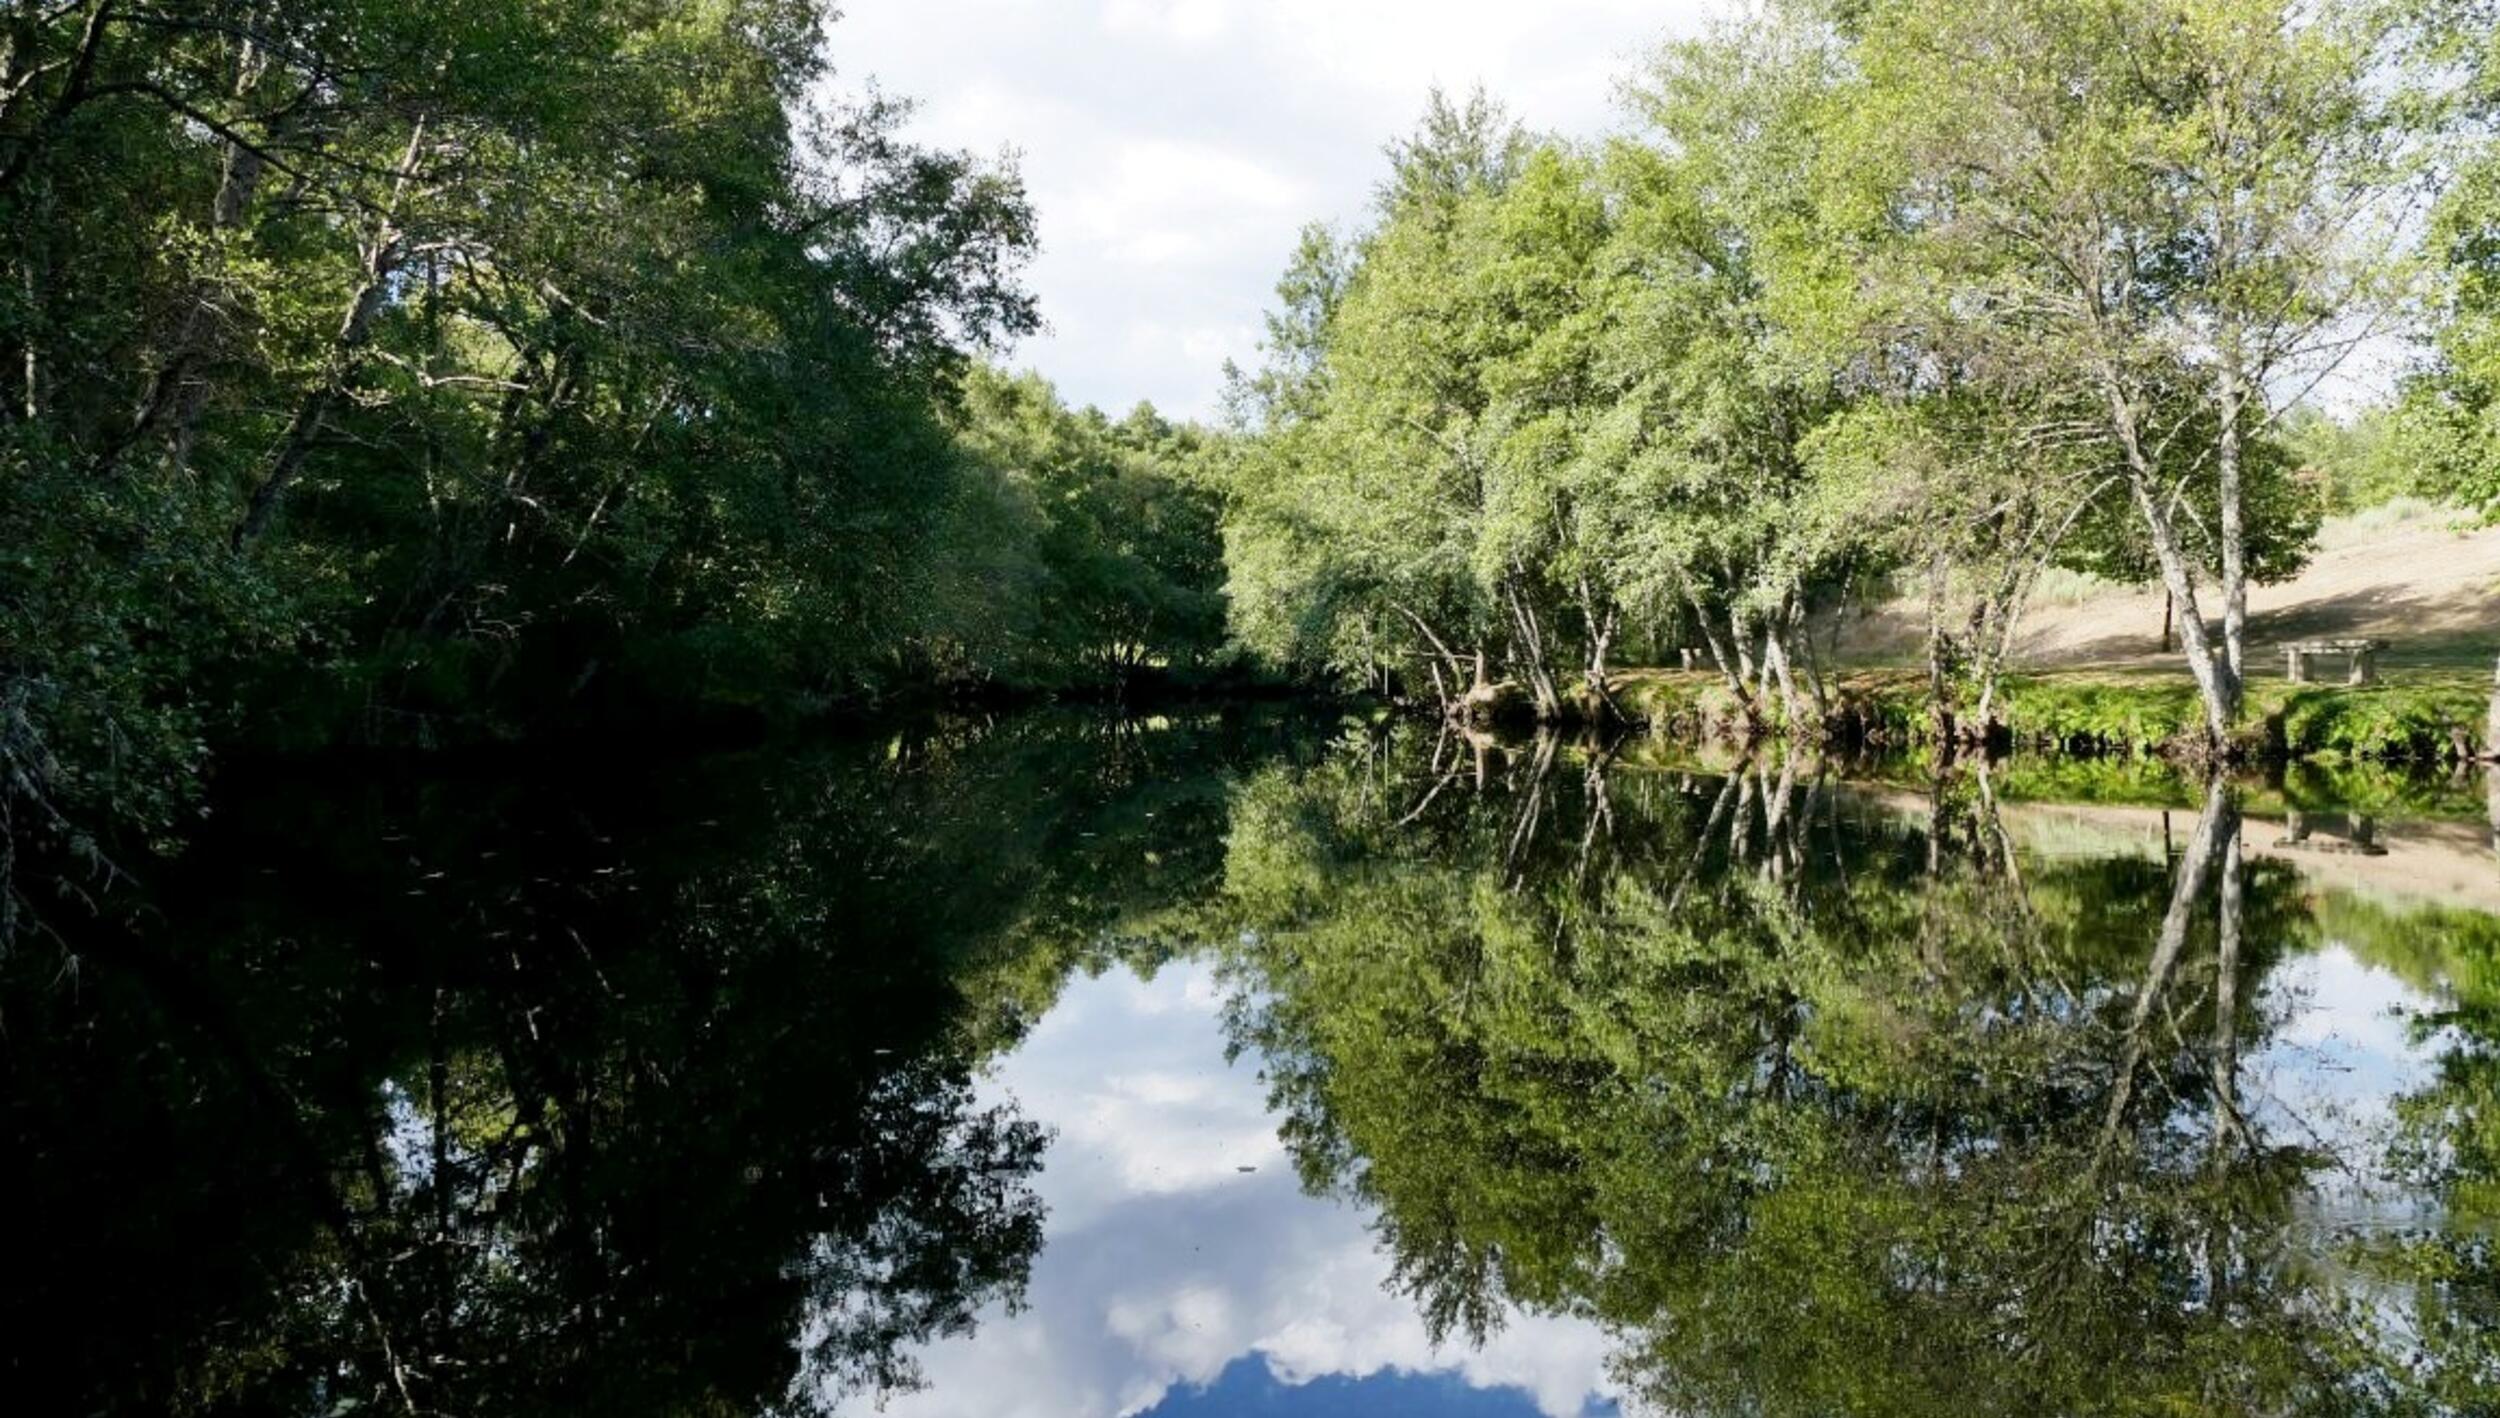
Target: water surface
[[1265, 1064]]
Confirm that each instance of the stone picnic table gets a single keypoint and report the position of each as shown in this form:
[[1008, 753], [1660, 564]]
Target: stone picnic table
[[2362, 655]]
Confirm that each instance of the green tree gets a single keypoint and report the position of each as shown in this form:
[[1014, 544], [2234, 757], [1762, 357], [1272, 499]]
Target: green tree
[[402, 373], [1126, 555], [1373, 455], [2450, 423], [1719, 377], [2170, 214]]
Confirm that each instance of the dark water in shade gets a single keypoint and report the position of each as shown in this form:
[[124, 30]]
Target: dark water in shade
[[1265, 1065]]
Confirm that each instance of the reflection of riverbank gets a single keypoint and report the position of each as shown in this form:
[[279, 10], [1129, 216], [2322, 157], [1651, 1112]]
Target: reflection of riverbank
[[2447, 863]]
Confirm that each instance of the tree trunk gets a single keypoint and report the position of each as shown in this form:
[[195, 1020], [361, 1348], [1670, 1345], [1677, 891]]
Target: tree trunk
[[1599, 676], [1993, 623], [2491, 722], [2230, 400], [1996, 649], [2216, 684], [1939, 705], [2014, 597], [1740, 832], [2221, 698], [1448, 657], [1775, 657], [2226, 1061], [2221, 815], [32, 364], [1722, 657], [382, 255], [1601, 629], [1801, 635], [1532, 655]]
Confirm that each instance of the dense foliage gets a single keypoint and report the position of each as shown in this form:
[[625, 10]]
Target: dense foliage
[[2451, 411], [401, 373], [1913, 293], [1094, 553]]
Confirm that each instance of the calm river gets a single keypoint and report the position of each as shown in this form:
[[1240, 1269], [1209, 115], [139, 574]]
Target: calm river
[[1277, 1064]]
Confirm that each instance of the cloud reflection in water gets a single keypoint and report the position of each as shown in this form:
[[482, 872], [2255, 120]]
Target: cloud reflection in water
[[1166, 1264]]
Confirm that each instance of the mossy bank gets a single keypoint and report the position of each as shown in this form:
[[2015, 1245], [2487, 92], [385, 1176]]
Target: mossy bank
[[2418, 716]]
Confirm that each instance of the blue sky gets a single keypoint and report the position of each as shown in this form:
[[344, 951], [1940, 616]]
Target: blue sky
[[1175, 147], [1249, 1389]]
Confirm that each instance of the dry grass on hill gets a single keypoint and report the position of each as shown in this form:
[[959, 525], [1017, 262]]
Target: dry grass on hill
[[2409, 573]]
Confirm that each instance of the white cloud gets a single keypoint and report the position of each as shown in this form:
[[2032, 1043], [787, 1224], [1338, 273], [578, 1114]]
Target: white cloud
[[2345, 1050], [1189, 22], [1175, 147], [1165, 1262]]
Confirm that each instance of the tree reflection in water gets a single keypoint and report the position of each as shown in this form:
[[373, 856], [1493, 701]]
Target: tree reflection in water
[[587, 1093], [1823, 1105], [651, 1092]]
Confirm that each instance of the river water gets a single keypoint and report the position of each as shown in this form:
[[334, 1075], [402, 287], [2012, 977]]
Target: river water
[[1264, 1063]]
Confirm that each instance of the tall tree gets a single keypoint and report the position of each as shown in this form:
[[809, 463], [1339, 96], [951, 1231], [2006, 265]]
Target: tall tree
[[395, 371], [1719, 374], [2183, 212], [2450, 416]]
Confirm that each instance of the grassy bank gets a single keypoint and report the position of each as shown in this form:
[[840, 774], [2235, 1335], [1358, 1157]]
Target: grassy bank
[[2414, 715]]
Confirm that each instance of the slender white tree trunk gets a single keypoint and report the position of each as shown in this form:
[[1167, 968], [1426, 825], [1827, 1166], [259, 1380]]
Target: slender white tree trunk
[[2231, 402], [2226, 1062], [2221, 699]]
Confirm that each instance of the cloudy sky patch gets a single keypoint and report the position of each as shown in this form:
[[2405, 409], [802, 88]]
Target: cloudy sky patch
[[1175, 147]]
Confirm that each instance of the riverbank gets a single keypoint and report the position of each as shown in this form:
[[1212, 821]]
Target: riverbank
[[2435, 715]]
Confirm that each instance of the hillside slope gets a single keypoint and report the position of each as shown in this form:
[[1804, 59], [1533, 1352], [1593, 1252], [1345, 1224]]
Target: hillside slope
[[2411, 577]]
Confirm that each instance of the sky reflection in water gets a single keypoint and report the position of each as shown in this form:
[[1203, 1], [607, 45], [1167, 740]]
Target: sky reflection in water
[[1172, 1282], [1166, 1265], [924, 1072]]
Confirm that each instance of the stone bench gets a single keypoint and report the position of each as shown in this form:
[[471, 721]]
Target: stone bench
[[2362, 655]]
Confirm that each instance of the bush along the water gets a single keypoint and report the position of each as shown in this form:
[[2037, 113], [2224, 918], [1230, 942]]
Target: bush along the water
[[2430, 720], [2099, 714], [2426, 722], [1685, 705], [2416, 722]]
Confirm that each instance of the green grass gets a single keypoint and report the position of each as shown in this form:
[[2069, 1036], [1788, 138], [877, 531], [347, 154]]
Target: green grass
[[2414, 715]]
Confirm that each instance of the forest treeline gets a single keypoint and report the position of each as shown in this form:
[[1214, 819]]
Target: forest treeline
[[1882, 296], [417, 374], [390, 374]]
